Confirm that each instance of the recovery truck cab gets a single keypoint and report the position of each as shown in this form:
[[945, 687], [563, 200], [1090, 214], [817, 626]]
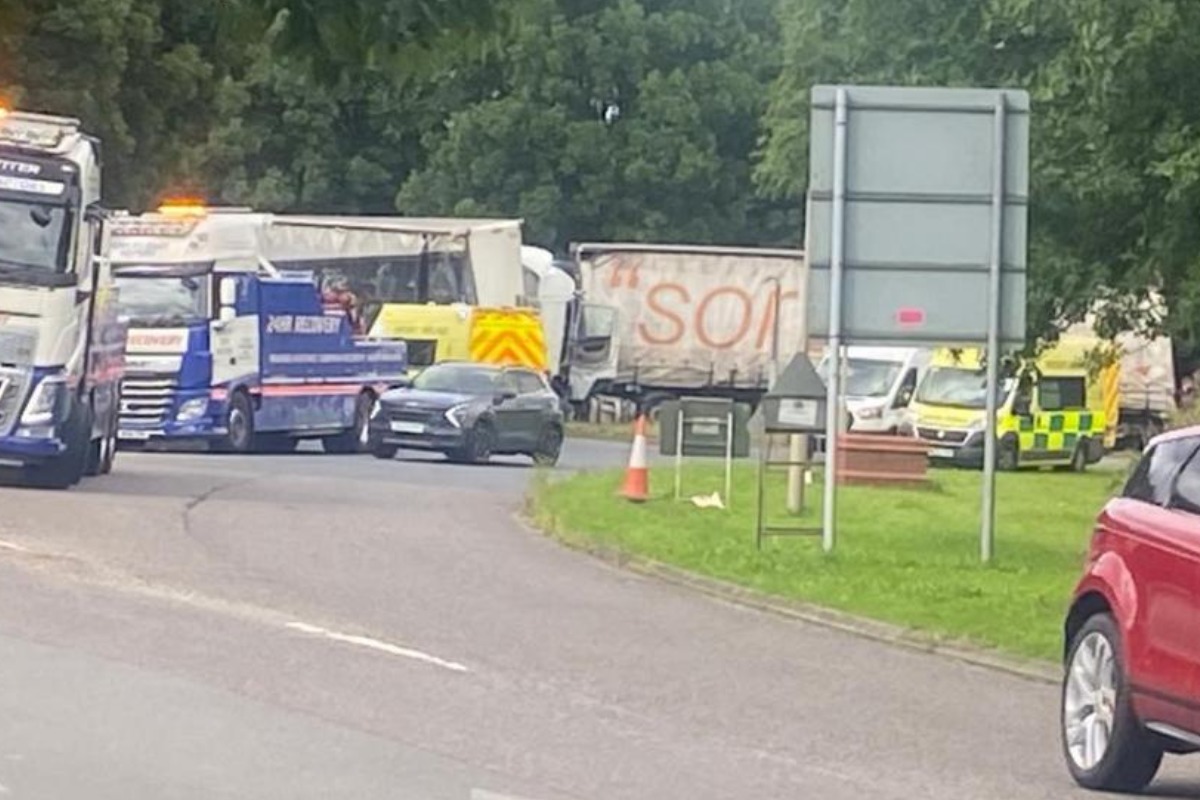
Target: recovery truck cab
[[1059, 410], [61, 345], [225, 348]]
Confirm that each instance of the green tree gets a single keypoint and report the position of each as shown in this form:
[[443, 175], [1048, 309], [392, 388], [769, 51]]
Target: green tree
[[627, 120], [1115, 162]]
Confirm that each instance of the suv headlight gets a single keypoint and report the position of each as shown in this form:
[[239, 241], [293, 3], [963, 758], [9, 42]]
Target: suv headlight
[[192, 410], [44, 401], [458, 415]]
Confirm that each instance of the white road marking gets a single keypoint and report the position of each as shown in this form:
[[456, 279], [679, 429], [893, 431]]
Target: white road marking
[[375, 644], [3, 789], [13, 546]]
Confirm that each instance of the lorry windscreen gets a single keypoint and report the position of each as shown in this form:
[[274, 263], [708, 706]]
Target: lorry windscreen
[[163, 300], [35, 237], [866, 377], [958, 387]]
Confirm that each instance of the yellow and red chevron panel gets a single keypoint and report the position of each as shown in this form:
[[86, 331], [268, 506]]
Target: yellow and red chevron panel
[[512, 337]]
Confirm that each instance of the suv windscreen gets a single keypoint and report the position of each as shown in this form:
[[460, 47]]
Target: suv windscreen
[[1151, 480]]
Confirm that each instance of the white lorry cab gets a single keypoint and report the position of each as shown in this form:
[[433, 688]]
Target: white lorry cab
[[61, 344], [879, 384]]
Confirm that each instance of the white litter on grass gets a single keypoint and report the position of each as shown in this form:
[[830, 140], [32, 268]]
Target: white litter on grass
[[708, 501]]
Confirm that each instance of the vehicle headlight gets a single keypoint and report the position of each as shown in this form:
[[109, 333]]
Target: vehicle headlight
[[457, 415], [44, 401], [978, 424], [869, 412], [192, 409]]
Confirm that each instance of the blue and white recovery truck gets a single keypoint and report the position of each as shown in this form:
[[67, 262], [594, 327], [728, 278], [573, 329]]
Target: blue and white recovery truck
[[226, 349], [61, 344]]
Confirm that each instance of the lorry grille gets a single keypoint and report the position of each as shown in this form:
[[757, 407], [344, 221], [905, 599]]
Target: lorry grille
[[147, 399], [938, 435], [13, 385]]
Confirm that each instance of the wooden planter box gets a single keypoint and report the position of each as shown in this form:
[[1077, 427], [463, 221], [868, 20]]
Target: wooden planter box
[[881, 460]]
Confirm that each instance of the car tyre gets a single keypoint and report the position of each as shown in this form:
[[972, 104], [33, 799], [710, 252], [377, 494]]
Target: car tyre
[[384, 452], [478, 448], [1104, 744], [549, 448]]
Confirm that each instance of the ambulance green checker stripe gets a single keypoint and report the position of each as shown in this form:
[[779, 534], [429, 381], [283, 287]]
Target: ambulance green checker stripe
[[1058, 431]]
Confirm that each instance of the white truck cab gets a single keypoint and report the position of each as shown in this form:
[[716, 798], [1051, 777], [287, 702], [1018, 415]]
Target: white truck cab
[[879, 384], [61, 345]]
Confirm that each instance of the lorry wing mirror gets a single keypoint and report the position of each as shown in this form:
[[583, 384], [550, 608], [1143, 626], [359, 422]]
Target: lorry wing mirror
[[904, 397]]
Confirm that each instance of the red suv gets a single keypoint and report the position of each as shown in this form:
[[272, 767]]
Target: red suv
[[1132, 685]]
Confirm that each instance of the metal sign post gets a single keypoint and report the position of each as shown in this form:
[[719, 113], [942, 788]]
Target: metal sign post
[[917, 237], [987, 530], [833, 397]]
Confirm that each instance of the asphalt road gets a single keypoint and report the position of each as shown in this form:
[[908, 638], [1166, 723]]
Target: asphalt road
[[199, 626]]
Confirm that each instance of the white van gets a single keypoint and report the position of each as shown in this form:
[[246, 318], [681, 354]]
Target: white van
[[879, 384]]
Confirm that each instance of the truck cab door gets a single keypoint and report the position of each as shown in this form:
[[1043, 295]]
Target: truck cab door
[[234, 339], [595, 347]]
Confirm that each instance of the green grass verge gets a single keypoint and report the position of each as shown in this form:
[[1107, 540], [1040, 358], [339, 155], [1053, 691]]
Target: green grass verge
[[608, 431], [907, 557]]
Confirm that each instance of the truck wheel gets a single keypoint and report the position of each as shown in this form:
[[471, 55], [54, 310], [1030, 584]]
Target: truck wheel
[[67, 469], [356, 439], [239, 422], [103, 451]]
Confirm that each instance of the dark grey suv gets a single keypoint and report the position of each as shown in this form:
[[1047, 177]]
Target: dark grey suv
[[470, 412]]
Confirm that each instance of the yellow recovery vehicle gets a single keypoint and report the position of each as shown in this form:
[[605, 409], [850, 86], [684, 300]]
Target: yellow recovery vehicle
[[459, 332], [1059, 410]]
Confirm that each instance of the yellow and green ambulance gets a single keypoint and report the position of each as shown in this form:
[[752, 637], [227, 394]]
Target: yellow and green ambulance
[[1058, 410]]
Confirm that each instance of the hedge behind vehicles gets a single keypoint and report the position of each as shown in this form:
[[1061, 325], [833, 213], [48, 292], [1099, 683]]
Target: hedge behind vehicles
[[1055, 411], [61, 343]]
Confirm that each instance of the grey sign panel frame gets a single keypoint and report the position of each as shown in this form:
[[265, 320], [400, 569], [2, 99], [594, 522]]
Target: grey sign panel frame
[[918, 214]]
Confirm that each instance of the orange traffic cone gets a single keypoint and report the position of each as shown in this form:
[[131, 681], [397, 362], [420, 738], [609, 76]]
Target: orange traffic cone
[[637, 474]]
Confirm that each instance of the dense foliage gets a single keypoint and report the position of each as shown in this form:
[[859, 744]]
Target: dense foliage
[[668, 120]]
